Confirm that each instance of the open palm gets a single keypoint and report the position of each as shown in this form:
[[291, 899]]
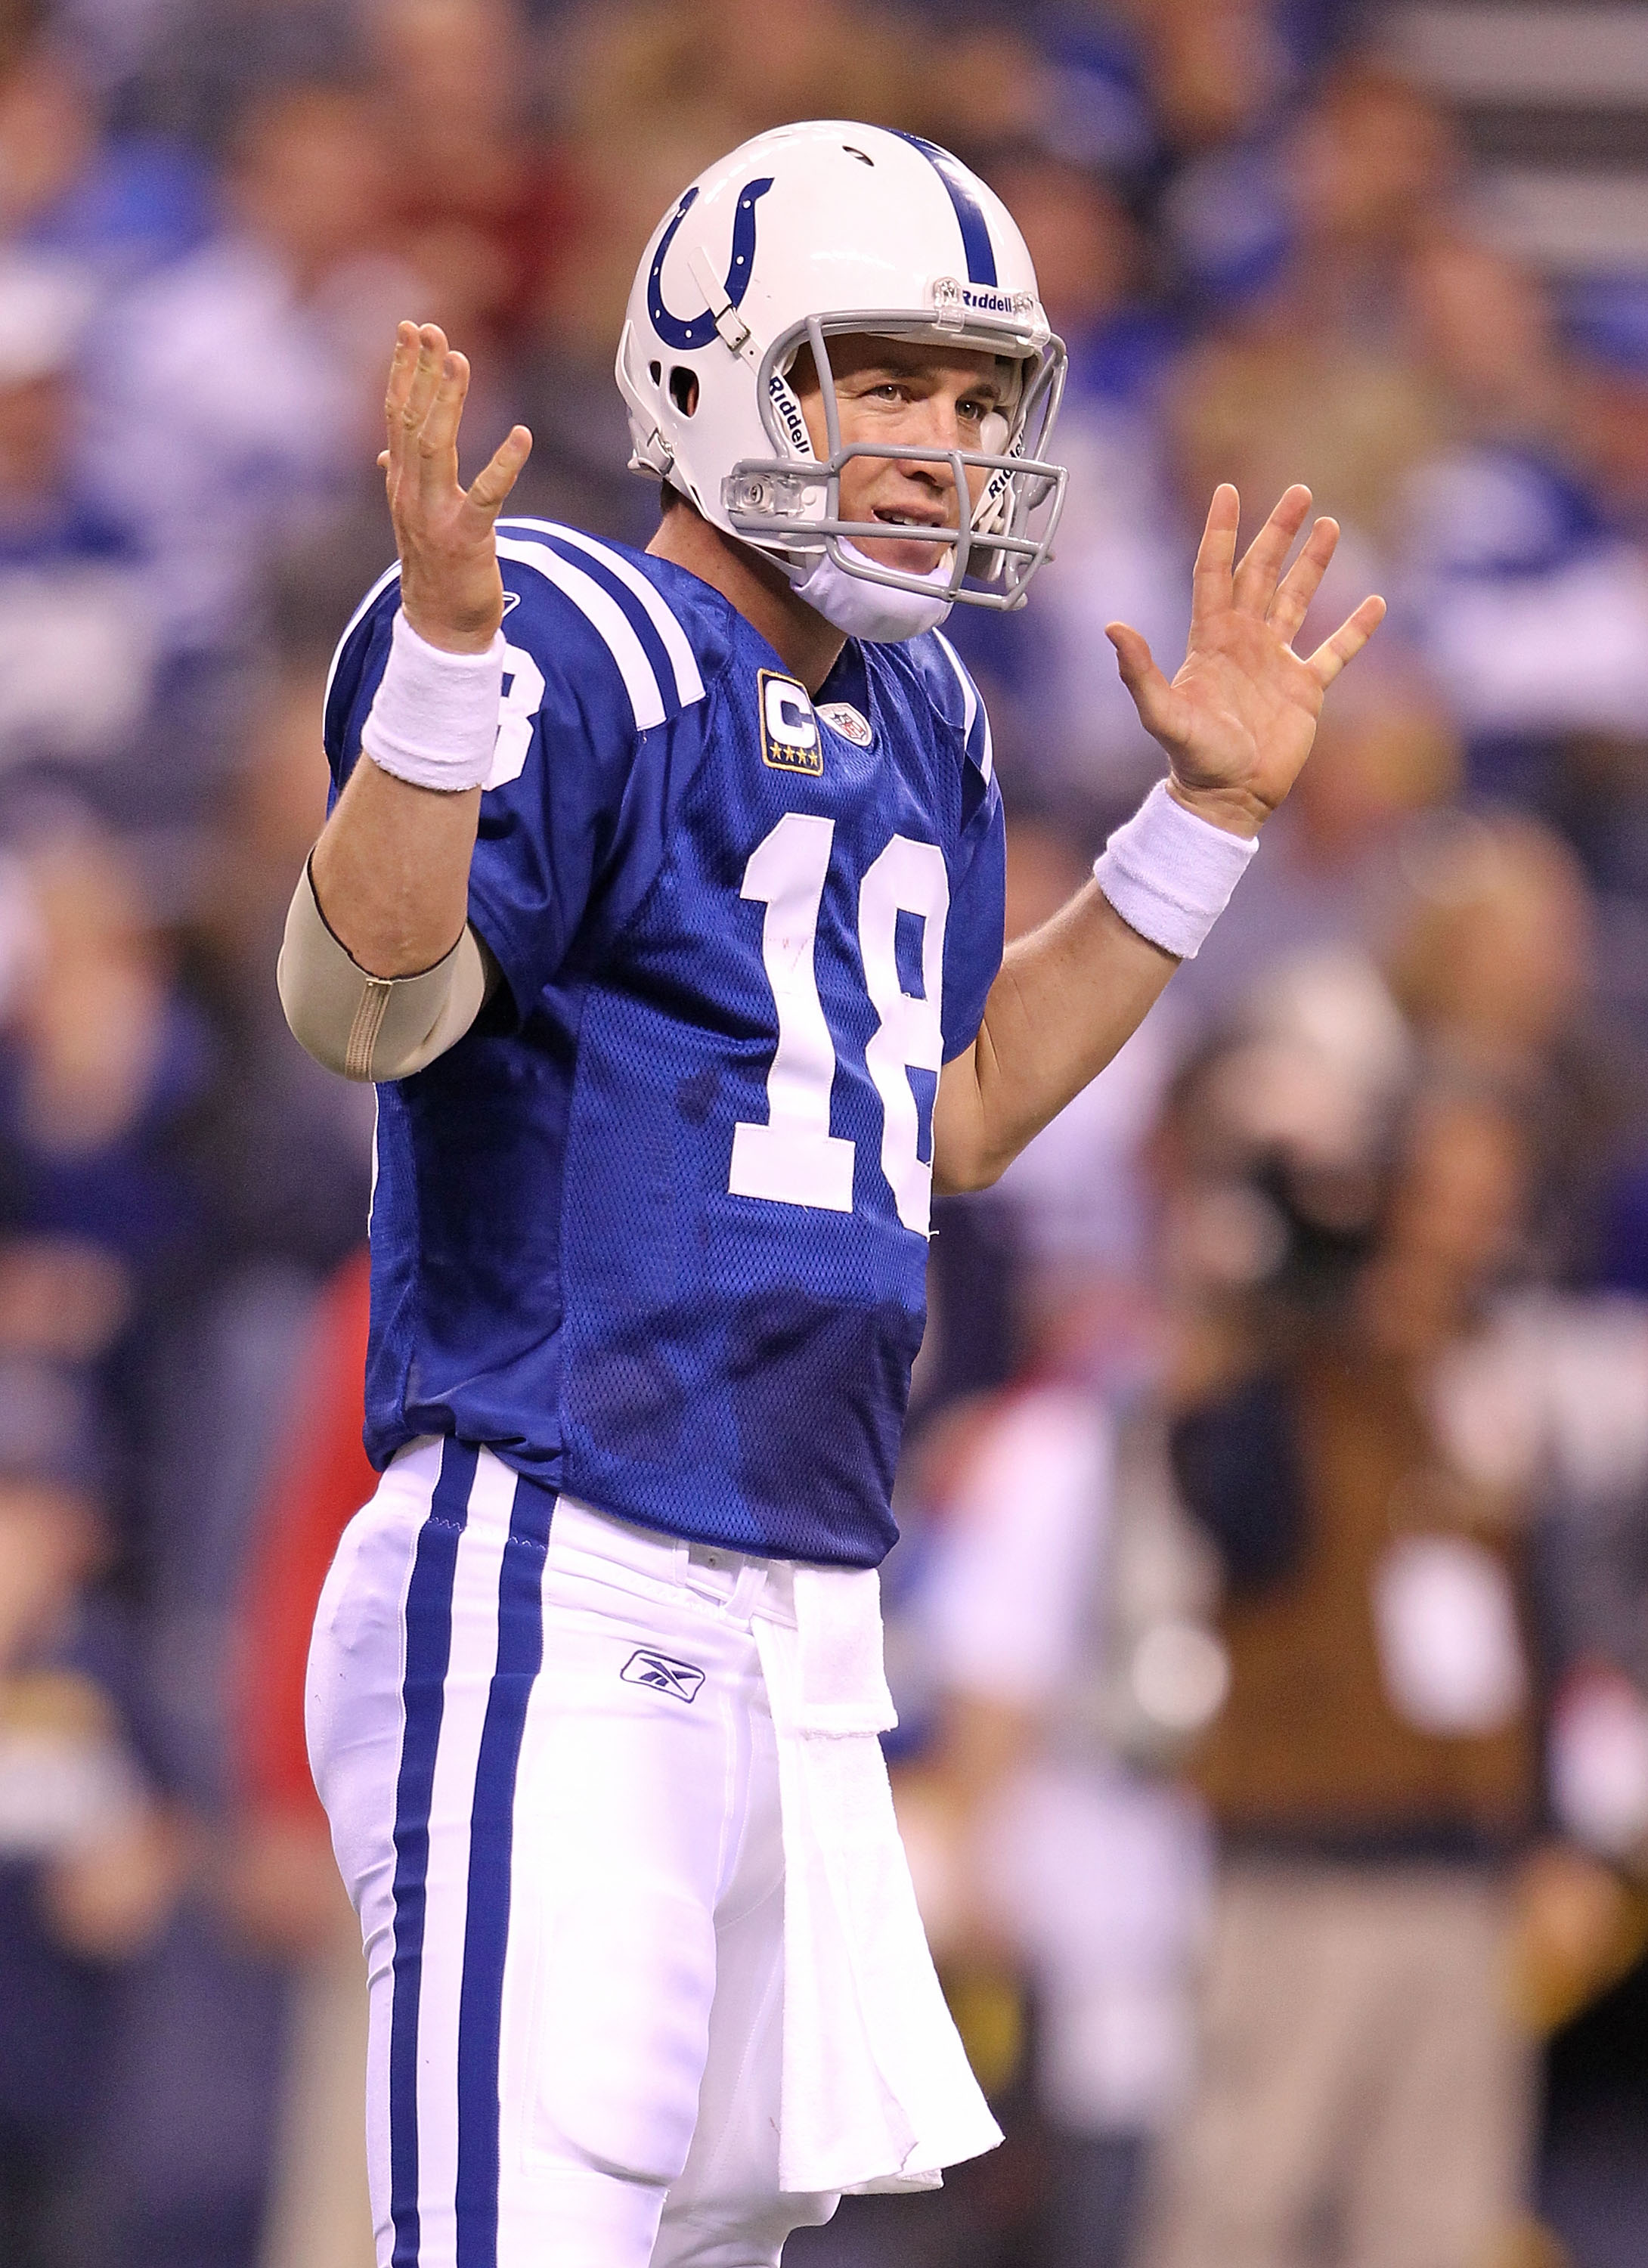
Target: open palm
[[451, 588], [1238, 720]]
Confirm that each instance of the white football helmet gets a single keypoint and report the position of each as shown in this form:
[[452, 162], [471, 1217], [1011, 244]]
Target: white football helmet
[[817, 231]]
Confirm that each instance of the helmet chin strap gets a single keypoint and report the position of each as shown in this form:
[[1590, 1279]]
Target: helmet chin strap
[[875, 611]]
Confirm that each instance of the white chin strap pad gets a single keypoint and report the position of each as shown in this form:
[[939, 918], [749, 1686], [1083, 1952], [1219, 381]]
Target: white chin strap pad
[[875, 611]]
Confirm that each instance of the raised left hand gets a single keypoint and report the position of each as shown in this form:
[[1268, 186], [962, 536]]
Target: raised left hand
[[1238, 721]]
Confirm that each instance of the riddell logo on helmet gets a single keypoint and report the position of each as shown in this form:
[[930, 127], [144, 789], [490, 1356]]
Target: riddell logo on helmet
[[789, 410], [950, 293]]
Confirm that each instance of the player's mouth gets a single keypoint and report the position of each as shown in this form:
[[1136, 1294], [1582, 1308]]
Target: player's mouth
[[908, 547]]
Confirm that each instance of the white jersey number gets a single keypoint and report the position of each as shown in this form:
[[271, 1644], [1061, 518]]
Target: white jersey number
[[909, 878], [518, 713], [794, 1159]]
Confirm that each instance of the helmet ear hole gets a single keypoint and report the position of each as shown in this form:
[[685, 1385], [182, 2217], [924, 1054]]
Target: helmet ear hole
[[684, 389], [655, 371]]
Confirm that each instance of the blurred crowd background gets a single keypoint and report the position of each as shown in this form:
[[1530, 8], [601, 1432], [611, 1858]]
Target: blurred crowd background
[[1270, 1629]]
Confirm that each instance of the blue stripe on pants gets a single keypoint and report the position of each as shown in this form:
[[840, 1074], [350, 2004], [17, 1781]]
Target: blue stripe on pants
[[428, 1651], [491, 1830]]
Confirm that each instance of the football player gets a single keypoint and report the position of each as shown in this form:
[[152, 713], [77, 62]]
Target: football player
[[665, 910]]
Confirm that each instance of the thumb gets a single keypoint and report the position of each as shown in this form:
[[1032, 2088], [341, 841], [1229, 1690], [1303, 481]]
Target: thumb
[[1150, 691], [492, 484]]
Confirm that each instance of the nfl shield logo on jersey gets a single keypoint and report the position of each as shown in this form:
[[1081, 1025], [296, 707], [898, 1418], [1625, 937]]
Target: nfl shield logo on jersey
[[842, 718], [663, 1675], [790, 732]]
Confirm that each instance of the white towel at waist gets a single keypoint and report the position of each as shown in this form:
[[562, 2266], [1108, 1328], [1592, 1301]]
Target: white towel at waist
[[877, 2093]]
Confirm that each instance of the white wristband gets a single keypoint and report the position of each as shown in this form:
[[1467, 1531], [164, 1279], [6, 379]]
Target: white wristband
[[434, 719], [1170, 874]]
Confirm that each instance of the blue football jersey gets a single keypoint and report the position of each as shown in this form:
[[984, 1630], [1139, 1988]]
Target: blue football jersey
[[655, 1231]]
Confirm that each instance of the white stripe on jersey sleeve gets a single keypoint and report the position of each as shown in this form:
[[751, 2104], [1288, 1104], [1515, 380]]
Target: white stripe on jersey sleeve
[[604, 615], [688, 683], [355, 621], [971, 706]]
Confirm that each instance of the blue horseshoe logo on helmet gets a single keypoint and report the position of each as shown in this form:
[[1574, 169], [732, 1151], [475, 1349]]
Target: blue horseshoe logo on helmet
[[702, 328]]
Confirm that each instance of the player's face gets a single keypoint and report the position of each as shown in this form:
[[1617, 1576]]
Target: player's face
[[893, 390]]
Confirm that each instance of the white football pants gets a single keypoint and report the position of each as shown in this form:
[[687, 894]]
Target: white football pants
[[547, 1758]]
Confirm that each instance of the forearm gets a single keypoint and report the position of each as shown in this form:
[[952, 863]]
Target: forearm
[[391, 870], [379, 972], [1066, 998]]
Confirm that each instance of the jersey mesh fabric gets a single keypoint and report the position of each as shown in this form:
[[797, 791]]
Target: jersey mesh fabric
[[561, 1269]]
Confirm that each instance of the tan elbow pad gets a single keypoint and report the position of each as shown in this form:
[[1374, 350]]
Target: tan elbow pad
[[373, 1027]]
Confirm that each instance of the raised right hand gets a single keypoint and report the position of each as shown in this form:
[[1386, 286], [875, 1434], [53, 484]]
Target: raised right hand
[[450, 590], [1238, 721]]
